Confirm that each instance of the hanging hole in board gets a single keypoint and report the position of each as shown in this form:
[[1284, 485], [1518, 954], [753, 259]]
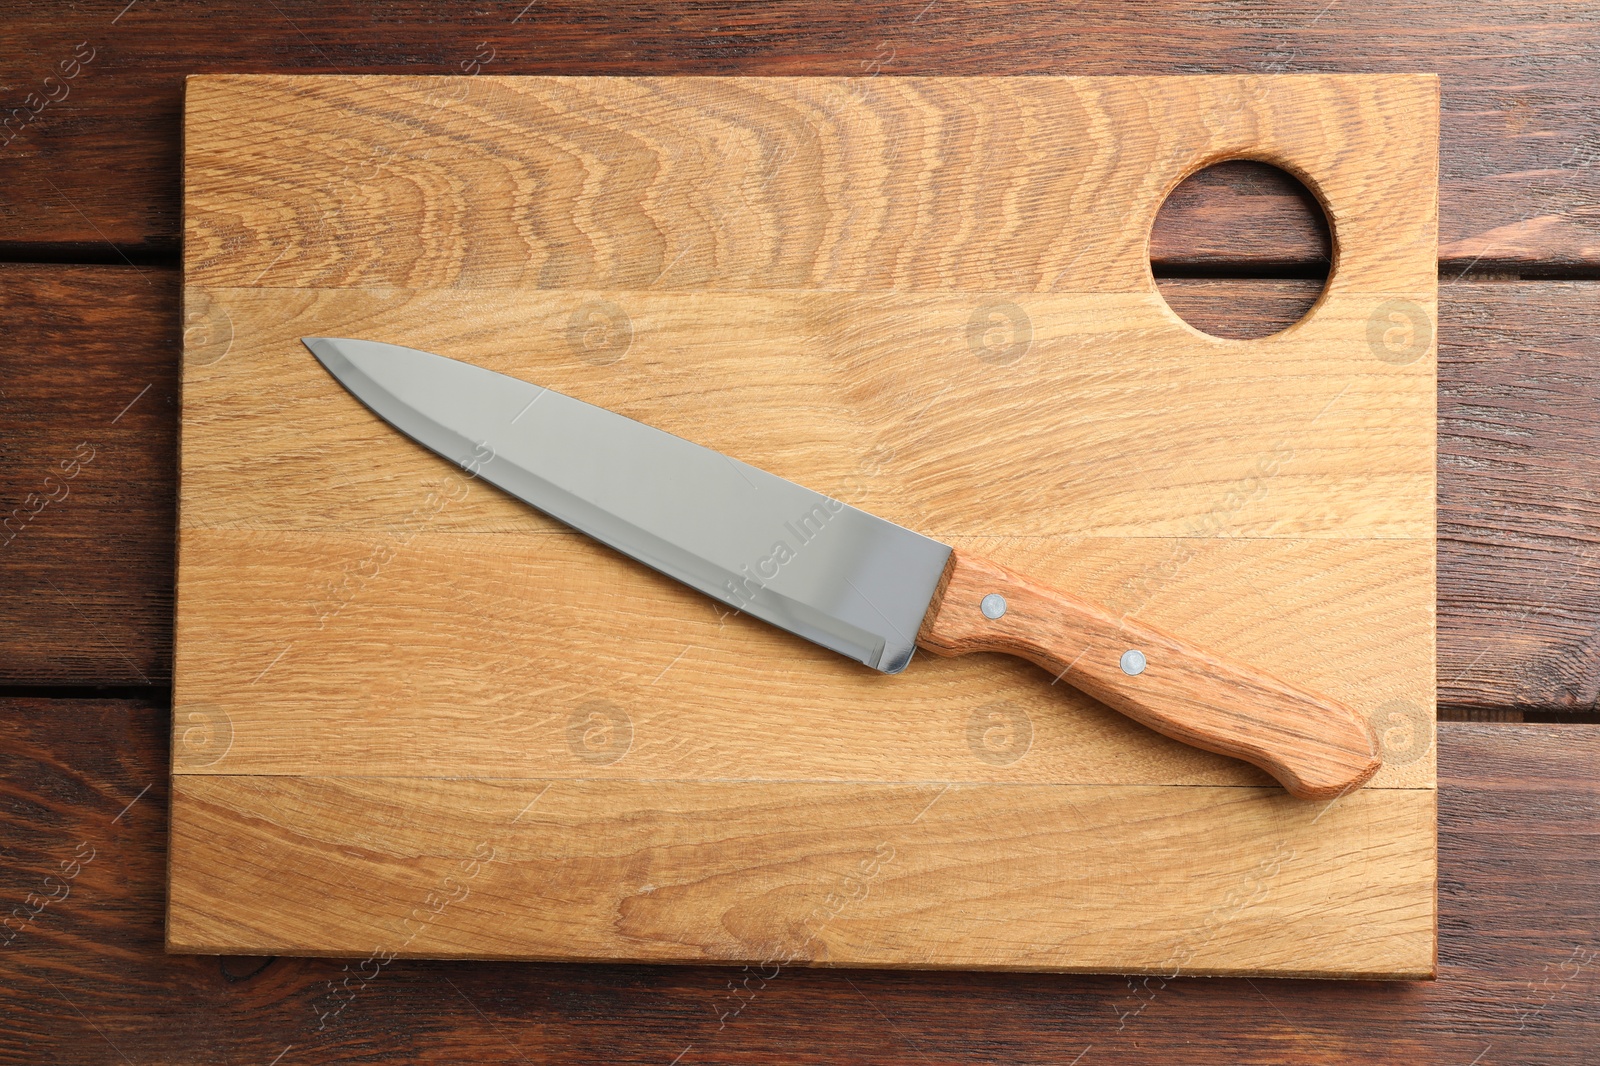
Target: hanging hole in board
[[1241, 249]]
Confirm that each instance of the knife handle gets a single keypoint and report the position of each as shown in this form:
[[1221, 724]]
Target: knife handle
[[1317, 748]]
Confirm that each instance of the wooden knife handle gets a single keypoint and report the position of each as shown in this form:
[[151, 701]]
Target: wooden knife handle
[[1317, 748]]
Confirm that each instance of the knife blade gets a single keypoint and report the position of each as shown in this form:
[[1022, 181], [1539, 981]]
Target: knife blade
[[848, 580]]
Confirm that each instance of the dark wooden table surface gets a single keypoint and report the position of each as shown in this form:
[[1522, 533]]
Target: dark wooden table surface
[[90, 99]]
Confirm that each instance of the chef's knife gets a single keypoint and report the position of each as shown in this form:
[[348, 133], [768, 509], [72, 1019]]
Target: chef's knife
[[863, 587]]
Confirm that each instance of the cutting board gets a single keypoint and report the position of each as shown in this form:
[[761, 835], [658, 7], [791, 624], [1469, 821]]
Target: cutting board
[[413, 717]]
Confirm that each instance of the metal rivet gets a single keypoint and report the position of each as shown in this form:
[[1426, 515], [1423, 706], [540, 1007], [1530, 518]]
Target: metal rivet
[[1133, 662], [993, 605]]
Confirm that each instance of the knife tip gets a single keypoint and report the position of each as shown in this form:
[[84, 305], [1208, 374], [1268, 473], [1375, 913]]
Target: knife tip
[[323, 348]]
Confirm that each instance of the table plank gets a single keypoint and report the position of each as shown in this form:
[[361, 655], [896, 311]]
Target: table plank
[[89, 403], [1519, 874], [97, 172], [1519, 496], [1519, 477], [1241, 217]]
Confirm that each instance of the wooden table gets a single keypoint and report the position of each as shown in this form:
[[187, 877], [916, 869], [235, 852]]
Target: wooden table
[[89, 222]]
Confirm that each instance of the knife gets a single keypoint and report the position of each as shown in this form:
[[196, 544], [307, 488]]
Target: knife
[[836, 575]]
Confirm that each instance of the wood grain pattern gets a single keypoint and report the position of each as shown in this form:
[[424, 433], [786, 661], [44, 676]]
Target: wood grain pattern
[[1315, 747], [708, 185], [1519, 80], [497, 614], [861, 875], [880, 292], [1518, 876], [855, 395]]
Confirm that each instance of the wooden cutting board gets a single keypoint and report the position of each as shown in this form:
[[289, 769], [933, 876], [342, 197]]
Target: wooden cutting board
[[414, 717]]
